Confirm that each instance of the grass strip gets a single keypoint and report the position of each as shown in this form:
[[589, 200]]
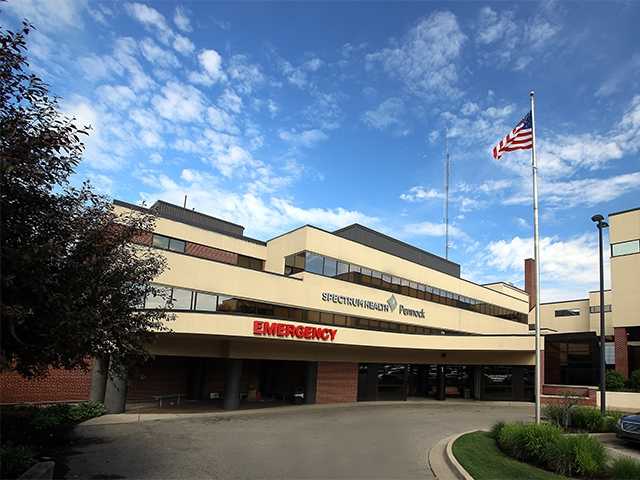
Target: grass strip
[[478, 453]]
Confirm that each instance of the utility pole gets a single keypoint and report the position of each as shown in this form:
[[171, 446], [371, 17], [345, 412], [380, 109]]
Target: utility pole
[[446, 194]]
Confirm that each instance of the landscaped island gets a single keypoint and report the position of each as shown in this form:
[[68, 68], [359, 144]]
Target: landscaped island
[[545, 451]]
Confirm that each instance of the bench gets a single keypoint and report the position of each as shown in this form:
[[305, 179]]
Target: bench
[[160, 398]]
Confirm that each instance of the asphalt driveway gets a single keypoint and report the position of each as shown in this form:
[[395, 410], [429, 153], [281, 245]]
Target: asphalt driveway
[[358, 441]]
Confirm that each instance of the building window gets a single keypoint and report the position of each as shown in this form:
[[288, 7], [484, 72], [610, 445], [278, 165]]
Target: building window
[[330, 267], [166, 243], [158, 297], [181, 299], [205, 302], [596, 309], [625, 248], [250, 262], [568, 312], [314, 263]]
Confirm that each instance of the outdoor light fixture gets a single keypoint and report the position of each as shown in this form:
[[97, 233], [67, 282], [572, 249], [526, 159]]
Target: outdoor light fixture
[[601, 224]]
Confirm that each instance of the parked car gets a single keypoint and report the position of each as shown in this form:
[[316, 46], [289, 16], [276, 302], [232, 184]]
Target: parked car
[[629, 427]]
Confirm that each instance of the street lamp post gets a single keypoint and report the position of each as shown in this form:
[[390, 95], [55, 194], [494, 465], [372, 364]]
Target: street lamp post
[[601, 224]]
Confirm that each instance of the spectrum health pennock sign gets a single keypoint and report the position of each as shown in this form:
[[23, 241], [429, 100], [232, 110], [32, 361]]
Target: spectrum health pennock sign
[[289, 330], [389, 306]]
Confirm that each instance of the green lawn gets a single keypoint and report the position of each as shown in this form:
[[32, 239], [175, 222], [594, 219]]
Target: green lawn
[[479, 455]]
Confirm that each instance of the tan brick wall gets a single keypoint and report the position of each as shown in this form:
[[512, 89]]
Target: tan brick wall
[[621, 350], [58, 386], [337, 382]]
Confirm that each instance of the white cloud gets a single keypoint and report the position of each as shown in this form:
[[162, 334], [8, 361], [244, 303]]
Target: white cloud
[[155, 21], [313, 65], [212, 72], [234, 159], [221, 120], [179, 102], [246, 75], [628, 72], [119, 96], [230, 101], [584, 192], [295, 75], [49, 15], [567, 265], [151, 19], [304, 138], [426, 59], [157, 55], [494, 26], [183, 45], [430, 229], [263, 215], [418, 193], [108, 141], [389, 114], [181, 19]]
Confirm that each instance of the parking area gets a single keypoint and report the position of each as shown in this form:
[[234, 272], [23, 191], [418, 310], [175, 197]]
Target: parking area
[[364, 440]]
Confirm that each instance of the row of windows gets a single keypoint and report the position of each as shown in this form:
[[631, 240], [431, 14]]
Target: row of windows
[[330, 267], [180, 299], [175, 245], [625, 248], [596, 309], [568, 312]]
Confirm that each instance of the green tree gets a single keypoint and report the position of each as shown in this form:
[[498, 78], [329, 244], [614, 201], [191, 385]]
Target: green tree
[[72, 277]]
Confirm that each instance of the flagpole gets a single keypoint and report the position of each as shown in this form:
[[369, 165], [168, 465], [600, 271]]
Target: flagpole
[[536, 251]]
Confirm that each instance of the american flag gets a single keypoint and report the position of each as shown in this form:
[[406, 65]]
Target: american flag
[[520, 138]]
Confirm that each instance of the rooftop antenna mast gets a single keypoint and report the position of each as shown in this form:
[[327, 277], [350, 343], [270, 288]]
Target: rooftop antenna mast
[[446, 194]]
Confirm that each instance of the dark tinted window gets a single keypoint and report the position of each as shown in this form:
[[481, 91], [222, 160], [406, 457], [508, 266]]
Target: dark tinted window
[[314, 263], [160, 241], [177, 245]]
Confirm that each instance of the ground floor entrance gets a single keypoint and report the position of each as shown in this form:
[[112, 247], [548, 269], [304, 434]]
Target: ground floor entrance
[[402, 381]]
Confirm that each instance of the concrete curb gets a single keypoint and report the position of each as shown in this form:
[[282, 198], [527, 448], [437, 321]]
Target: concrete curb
[[121, 418], [39, 471], [461, 473]]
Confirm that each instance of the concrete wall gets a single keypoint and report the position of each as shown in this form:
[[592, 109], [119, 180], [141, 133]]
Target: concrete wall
[[622, 401], [625, 270]]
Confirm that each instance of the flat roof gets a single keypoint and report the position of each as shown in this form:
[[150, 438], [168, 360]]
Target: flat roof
[[507, 285], [191, 217], [374, 239], [624, 211]]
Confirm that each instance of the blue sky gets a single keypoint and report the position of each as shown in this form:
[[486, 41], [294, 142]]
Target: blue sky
[[274, 115]]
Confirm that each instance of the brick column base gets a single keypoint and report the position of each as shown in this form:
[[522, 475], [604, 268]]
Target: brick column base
[[337, 382], [621, 350]]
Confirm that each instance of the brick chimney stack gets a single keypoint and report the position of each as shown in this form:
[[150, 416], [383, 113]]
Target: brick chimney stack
[[530, 281]]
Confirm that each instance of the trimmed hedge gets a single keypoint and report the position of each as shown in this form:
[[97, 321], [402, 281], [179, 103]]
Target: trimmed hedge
[[29, 431], [614, 381], [582, 418], [625, 468], [545, 446], [634, 380]]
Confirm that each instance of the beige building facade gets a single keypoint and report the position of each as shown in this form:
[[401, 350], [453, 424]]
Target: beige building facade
[[572, 327], [322, 317]]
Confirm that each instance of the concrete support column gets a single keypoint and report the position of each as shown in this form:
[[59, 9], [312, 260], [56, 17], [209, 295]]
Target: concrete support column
[[621, 348], [442, 384], [196, 390], [477, 382], [517, 383], [310, 380], [232, 384], [115, 396], [99, 379]]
